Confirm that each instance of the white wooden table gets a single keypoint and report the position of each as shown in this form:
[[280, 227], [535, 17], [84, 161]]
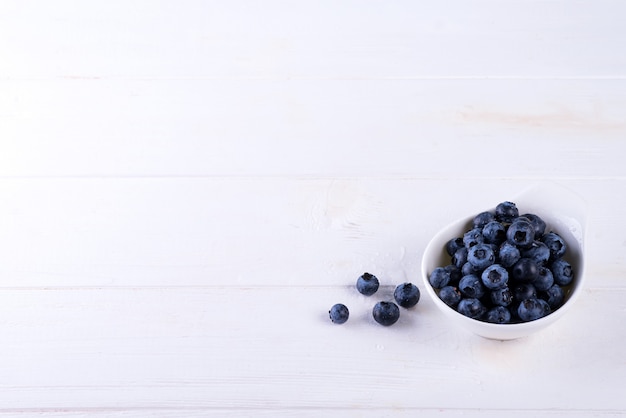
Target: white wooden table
[[187, 187]]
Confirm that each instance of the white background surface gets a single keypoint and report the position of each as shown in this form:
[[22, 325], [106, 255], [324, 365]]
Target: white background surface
[[187, 187]]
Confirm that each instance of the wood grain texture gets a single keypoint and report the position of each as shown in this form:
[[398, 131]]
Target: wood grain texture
[[187, 187], [275, 348]]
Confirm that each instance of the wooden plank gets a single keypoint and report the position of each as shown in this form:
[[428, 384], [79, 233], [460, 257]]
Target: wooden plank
[[405, 128], [123, 232], [327, 39], [274, 348]]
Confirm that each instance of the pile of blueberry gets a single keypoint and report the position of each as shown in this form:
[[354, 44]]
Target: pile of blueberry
[[505, 269], [385, 312]]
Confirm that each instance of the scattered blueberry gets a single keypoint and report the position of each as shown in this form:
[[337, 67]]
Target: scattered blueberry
[[367, 284], [406, 295], [386, 313], [339, 313]]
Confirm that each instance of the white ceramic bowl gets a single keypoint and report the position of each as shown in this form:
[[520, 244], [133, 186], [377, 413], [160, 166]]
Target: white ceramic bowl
[[563, 211]]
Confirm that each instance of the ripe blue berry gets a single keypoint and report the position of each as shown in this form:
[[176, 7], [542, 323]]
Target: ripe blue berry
[[483, 219], [439, 277], [508, 254], [556, 244], [498, 315], [506, 212], [494, 232], [450, 295], [453, 245], [525, 270], [538, 224], [471, 307], [521, 233], [544, 280], [471, 286], [501, 297], [554, 296], [386, 313], [495, 277], [532, 309], [524, 291], [538, 251], [562, 272], [481, 256], [473, 237], [407, 295], [339, 313], [367, 284]]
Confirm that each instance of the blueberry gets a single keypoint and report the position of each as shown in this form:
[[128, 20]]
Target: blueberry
[[339, 313], [556, 244], [532, 309], [509, 254], [554, 296], [472, 237], [498, 315], [538, 224], [455, 274], [544, 280], [460, 257], [501, 297], [483, 219], [494, 232], [562, 272], [407, 295], [386, 313], [468, 269], [524, 291], [495, 277], [367, 284], [471, 286], [439, 277], [481, 256], [450, 295], [521, 233], [506, 212], [525, 270], [538, 251], [471, 307], [453, 245]]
